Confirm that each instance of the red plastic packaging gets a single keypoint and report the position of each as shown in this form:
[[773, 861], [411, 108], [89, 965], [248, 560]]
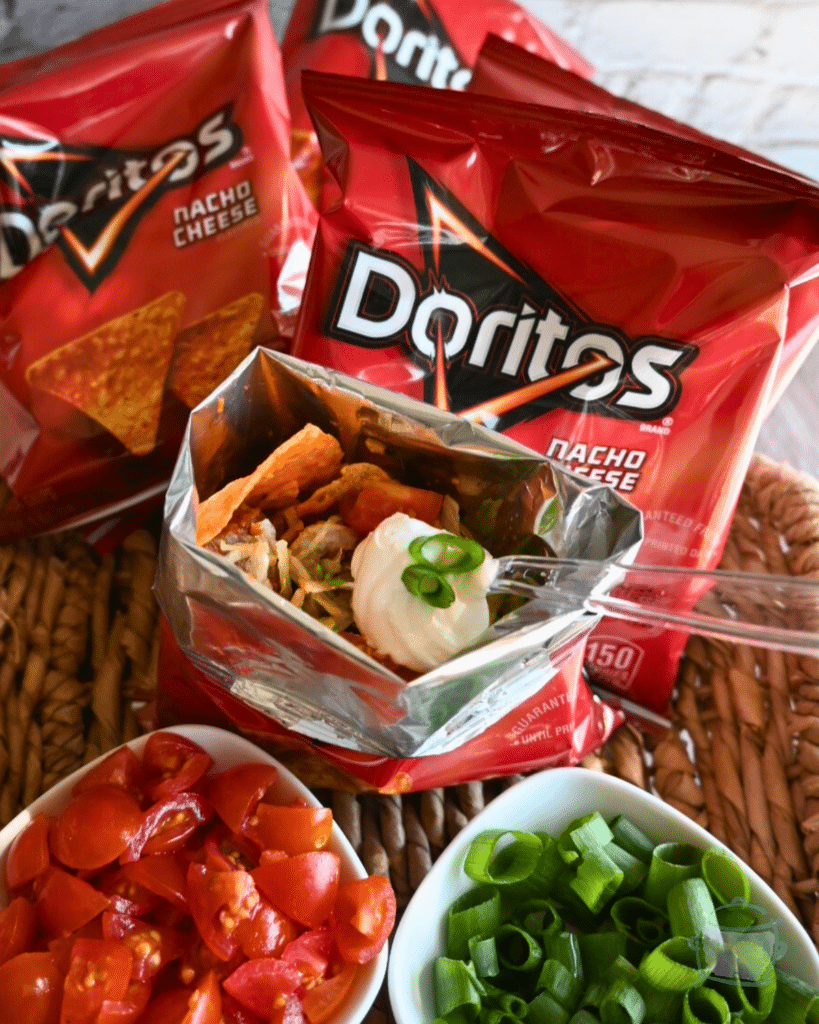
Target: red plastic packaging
[[614, 297], [418, 42], [509, 72], [150, 220]]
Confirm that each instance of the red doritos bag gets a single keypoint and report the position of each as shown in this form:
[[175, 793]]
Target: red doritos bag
[[152, 230], [509, 72], [614, 297], [419, 42]]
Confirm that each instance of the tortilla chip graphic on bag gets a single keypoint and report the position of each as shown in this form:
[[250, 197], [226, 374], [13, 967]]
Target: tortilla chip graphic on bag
[[207, 351], [116, 373], [305, 460]]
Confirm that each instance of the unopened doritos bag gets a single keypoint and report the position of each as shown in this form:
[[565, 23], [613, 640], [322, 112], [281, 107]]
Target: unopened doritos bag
[[152, 231], [419, 42], [509, 72], [614, 297]]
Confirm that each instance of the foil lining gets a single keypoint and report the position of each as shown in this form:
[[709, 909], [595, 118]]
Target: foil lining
[[280, 660]]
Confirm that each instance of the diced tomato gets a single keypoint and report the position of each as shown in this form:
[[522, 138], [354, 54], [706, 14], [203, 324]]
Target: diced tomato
[[294, 829], [235, 792], [310, 952], [202, 1005], [261, 985], [364, 916], [100, 971], [173, 764], [324, 1000], [167, 825], [28, 855], [126, 895], [266, 932], [31, 989], [18, 923], [290, 1013], [377, 501], [234, 1013], [121, 768], [218, 901], [163, 875], [66, 903], [229, 849], [128, 1009], [95, 827], [303, 887], [151, 945]]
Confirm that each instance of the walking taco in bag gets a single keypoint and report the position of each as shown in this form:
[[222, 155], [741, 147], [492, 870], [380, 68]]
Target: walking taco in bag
[[419, 42], [152, 231], [298, 614], [611, 296]]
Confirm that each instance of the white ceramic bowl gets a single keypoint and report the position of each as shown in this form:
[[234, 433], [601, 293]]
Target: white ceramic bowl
[[228, 749], [549, 801]]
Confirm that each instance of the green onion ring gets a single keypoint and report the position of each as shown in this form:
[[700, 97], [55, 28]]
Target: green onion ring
[[427, 584], [470, 554]]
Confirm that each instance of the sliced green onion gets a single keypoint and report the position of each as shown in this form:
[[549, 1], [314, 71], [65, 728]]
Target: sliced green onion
[[538, 917], [622, 1004], [670, 863], [545, 1009], [457, 555], [724, 877], [590, 831], [513, 863], [428, 585], [476, 913], [794, 1001], [517, 949], [565, 948], [483, 955], [746, 978], [705, 1006], [584, 1017], [560, 983], [737, 917], [597, 879], [632, 838], [634, 870], [455, 988], [598, 951], [676, 965], [514, 1005], [691, 912], [639, 921]]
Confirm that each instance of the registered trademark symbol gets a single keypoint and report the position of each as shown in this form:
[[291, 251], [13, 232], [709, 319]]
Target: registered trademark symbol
[[668, 421]]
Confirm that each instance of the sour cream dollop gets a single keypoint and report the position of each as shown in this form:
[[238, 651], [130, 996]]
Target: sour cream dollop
[[399, 624]]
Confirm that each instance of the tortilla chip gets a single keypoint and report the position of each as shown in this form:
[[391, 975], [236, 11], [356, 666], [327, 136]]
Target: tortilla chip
[[116, 373], [353, 477], [209, 350], [307, 459]]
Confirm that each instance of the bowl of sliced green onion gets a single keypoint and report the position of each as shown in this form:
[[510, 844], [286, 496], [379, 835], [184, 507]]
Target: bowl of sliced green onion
[[575, 898]]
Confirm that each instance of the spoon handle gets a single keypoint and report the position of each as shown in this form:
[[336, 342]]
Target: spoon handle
[[760, 609]]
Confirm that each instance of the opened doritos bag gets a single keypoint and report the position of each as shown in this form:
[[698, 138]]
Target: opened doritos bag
[[419, 42], [152, 231], [614, 297], [509, 72]]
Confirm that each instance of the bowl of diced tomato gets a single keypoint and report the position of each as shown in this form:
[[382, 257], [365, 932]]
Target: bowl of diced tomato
[[187, 878]]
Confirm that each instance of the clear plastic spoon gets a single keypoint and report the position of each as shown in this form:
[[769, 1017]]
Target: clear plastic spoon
[[763, 610]]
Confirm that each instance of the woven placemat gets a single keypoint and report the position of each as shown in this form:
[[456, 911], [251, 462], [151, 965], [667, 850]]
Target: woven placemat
[[78, 655]]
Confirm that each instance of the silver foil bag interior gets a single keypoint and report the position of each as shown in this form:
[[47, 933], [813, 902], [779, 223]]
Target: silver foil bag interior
[[280, 660]]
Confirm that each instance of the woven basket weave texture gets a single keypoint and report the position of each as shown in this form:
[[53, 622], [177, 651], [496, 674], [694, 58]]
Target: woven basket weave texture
[[79, 648]]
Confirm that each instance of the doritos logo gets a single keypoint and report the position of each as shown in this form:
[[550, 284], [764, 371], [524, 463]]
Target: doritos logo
[[89, 200], [497, 343], [406, 37]]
